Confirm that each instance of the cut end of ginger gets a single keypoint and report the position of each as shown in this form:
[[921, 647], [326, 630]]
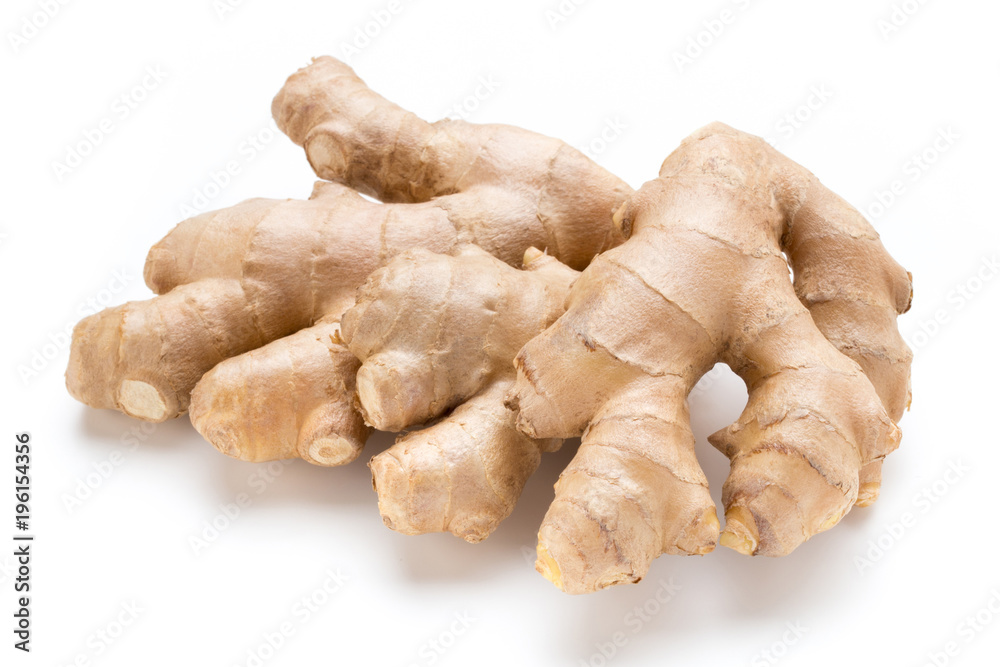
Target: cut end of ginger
[[142, 400], [741, 531], [548, 567]]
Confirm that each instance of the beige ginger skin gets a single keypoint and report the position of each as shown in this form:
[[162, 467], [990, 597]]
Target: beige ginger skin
[[244, 330], [702, 279], [436, 335]]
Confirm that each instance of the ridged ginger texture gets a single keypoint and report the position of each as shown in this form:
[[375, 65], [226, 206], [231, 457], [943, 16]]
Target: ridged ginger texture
[[436, 335], [244, 332], [704, 278]]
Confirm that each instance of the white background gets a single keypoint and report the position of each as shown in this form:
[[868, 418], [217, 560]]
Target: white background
[[885, 97]]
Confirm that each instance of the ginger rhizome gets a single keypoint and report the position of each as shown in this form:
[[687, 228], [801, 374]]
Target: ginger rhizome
[[259, 332], [703, 278], [436, 336], [244, 332]]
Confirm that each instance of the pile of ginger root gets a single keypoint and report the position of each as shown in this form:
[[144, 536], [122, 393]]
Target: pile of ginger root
[[496, 292]]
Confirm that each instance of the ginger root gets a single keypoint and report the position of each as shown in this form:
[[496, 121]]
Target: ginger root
[[436, 334], [702, 278], [244, 332], [259, 332]]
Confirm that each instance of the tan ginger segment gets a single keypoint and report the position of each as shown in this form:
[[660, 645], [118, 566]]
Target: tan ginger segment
[[462, 475], [634, 490], [432, 330], [853, 289], [525, 189], [292, 398], [144, 357], [354, 136], [701, 279], [436, 335]]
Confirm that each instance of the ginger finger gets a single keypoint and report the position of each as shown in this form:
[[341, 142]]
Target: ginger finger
[[702, 279], [436, 335], [292, 398], [551, 191]]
